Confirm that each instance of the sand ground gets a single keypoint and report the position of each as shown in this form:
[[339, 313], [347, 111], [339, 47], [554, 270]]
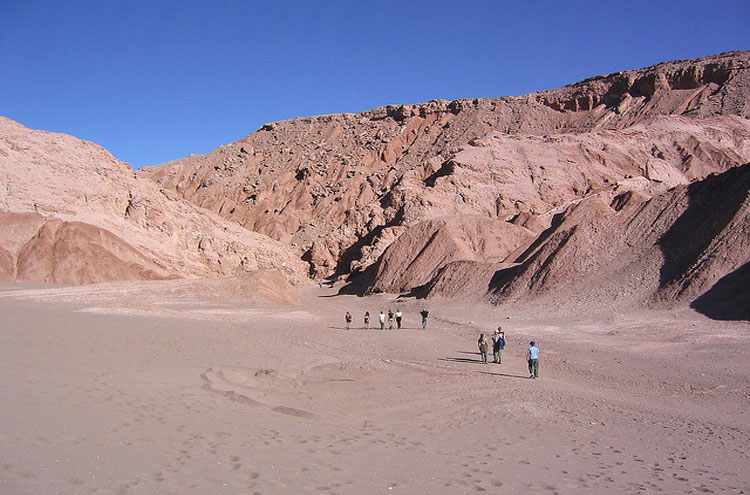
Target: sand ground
[[126, 389]]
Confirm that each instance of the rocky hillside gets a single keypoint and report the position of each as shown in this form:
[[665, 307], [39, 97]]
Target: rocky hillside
[[340, 188], [71, 213], [670, 248], [384, 196], [588, 193]]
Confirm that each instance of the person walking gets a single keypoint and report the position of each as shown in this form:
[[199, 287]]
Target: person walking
[[399, 315], [390, 320], [348, 319], [498, 344], [424, 314], [367, 320], [381, 317], [532, 354], [483, 348]]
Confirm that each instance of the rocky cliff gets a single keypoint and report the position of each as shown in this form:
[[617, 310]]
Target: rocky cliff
[[333, 186], [367, 194]]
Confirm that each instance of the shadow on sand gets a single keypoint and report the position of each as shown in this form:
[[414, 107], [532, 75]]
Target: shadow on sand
[[508, 375], [460, 360], [479, 361]]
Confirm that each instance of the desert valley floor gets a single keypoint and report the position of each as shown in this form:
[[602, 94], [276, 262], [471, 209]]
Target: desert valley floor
[[134, 388]]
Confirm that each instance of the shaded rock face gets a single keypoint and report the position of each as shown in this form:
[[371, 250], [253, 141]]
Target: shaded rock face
[[729, 298], [710, 240], [673, 247], [687, 245], [72, 213], [341, 188], [79, 253], [417, 255]]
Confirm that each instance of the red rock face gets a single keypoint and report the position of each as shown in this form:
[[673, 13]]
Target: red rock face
[[417, 255], [343, 188], [668, 249]]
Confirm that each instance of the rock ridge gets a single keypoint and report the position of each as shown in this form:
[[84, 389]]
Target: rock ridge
[[487, 198]]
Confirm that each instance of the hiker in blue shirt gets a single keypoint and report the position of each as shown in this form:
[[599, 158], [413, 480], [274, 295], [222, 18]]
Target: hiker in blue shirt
[[532, 353]]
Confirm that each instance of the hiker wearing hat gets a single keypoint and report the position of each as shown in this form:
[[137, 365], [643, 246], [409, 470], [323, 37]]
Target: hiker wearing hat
[[498, 344], [532, 353]]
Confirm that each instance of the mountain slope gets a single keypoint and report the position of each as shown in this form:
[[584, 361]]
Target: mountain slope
[[668, 249], [335, 187], [625, 189], [75, 214]]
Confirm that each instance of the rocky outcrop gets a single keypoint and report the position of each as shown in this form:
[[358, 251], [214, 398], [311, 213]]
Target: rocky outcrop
[[341, 188], [75, 214], [677, 247], [703, 87], [416, 256], [671, 248], [16, 229], [79, 253]]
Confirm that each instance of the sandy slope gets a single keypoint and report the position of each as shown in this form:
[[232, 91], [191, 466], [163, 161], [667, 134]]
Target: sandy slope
[[114, 390]]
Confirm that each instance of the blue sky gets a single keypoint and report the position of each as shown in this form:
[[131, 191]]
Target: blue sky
[[155, 81]]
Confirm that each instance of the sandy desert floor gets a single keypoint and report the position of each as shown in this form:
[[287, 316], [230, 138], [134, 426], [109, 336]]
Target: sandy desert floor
[[133, 389]]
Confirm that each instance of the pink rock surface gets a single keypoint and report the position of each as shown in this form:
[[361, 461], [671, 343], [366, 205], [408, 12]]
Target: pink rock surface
[[69, 202]]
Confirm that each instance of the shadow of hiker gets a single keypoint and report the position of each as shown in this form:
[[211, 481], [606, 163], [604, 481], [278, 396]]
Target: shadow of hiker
[[507, 375], [460, 360]]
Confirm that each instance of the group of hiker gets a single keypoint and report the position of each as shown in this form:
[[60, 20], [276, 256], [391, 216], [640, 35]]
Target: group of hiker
[[498, 345], [398, 316], [498, 338]]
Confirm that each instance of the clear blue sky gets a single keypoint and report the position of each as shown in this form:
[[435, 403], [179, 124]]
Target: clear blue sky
[[155, 81]]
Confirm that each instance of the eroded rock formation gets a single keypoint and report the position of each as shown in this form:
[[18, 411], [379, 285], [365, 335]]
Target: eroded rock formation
[[334, 186], [583, 193], [364, 193], [672, 247], [72, 213]]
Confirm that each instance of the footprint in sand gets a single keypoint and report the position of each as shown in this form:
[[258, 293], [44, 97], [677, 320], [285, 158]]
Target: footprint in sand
[[255, 387]]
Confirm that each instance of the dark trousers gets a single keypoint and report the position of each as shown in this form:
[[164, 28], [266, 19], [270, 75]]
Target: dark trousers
[[534, 367]]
